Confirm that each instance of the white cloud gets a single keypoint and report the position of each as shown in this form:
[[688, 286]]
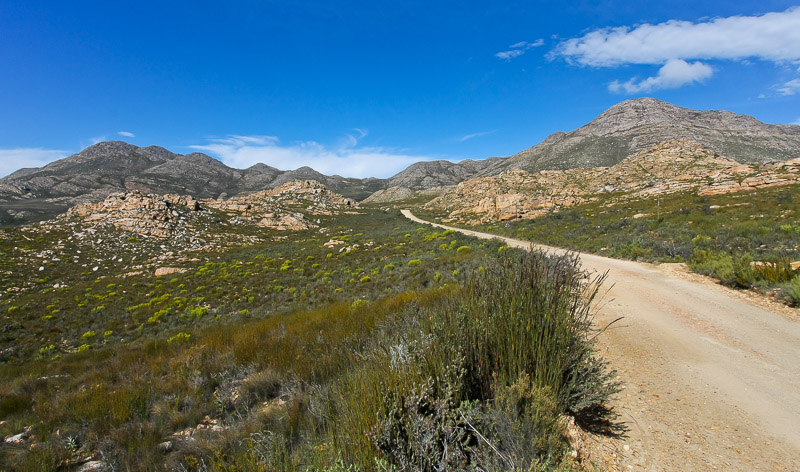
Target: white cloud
[[518, 49], [674, 74], [789, 88], [474, 135], [772, 37], [98, 139], [126, 134], [797, 122], [346, 159], [12, 160]]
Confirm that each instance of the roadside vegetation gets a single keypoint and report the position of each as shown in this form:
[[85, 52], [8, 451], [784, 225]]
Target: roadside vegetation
[[746, 240], [396, 347]]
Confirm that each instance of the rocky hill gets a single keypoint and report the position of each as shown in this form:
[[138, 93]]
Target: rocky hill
[[623, 130], [669, 167], [291, 207], [635, 125], [114, 166]]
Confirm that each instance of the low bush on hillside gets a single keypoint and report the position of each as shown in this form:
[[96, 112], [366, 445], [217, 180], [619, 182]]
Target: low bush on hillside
[[746, 239]]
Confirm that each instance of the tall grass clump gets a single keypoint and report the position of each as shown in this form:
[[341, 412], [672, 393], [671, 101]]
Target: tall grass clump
[[479, 379]]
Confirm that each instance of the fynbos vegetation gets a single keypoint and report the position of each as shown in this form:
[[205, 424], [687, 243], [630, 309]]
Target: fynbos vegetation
[[368, 344]]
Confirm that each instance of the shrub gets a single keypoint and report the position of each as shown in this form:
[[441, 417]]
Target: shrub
[[525, 420], [365, 279], [198, 311], [358, 303], [260, 386], [179, 338], [388, 267], [414, 262], [464, 250], [791, 291], [88, 335], [84, 347]]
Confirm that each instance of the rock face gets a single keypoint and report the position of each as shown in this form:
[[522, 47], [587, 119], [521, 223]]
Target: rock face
[[635, 125], [669, 167]]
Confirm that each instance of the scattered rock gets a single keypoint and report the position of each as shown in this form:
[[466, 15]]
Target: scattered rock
[[19, 439], [169, 270], [93, 466]]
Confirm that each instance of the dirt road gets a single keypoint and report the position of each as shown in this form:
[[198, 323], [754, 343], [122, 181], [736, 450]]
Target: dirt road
[[712, 379]]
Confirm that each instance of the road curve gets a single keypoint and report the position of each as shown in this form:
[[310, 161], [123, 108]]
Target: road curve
[[712, 380]]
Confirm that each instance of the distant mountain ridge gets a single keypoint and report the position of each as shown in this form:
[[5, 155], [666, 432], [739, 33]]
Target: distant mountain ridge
[[634, 125], [111, 166], [623, 130]]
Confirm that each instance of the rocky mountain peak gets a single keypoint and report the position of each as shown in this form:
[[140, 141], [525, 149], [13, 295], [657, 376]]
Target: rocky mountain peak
[[634, 125]]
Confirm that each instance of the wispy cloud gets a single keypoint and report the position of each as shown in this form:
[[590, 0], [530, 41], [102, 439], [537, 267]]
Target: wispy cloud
[[126, 134], [12, 160], [467, 137], [674, 74], [791, 87], [797, 122], [98, 139], [352, 139], [771, 37], [518, 49], [347, 158]]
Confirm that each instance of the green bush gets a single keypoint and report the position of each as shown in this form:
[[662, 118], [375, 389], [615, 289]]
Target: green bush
[[179, 338], [791, 291]]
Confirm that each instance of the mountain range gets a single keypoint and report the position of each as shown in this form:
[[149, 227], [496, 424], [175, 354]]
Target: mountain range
[[621, 131]]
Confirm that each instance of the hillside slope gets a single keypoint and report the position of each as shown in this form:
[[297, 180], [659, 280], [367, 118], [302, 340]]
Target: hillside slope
[[635, 125]]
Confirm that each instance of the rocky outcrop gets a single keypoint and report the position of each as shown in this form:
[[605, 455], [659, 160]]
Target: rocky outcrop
[[285, 208], [666, 168], [148, 215]]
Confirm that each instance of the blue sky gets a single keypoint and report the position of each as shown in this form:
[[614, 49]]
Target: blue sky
[[366, 88]]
